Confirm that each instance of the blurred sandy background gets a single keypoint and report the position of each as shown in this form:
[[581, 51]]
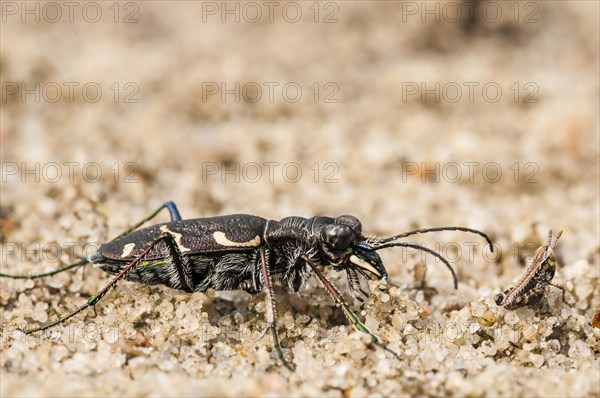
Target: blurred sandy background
[[363, 99]]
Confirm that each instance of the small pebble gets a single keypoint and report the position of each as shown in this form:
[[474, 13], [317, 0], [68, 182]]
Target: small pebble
[[511, 318]]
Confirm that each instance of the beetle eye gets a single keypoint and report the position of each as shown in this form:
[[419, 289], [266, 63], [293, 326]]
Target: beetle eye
[[337, 236], [351, 221]]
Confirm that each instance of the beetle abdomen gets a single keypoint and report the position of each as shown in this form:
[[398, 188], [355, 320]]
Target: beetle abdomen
[[234, 271]]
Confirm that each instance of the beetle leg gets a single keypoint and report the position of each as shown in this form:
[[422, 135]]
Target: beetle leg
[[352, 318], [354, 286], [271, 312], [78, 263], [181, 262], [172, 211], [92, 301]]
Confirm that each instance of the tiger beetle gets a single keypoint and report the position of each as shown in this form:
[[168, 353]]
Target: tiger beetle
[[244, 252], [531, 288]]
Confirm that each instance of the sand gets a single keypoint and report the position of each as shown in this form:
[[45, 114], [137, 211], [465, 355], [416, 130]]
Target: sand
[[376, 110]]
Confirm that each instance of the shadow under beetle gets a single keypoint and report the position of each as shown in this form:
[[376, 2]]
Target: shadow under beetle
[[244, 252]]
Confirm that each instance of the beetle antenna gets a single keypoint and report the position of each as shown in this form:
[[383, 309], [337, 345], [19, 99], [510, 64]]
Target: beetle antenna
[[79, 263], [437, 229], [423, 248]]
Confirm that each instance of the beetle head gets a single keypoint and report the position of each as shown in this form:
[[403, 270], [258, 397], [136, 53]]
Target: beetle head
[[345, 247]]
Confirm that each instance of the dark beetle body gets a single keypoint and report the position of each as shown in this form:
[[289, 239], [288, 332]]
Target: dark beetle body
[[223, 252]]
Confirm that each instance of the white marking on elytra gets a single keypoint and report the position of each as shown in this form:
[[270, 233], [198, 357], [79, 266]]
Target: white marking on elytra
[[127, 249], [221, 239], [177, 237]]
